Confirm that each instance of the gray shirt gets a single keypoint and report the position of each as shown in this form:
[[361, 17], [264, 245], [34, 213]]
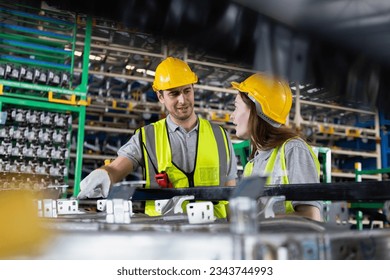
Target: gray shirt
[[183, 146], [300, 167]]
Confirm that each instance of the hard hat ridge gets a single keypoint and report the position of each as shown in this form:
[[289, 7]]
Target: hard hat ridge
[[171, 73]]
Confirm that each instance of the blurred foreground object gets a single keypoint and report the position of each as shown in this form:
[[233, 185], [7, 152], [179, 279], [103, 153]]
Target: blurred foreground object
[[21, 235]]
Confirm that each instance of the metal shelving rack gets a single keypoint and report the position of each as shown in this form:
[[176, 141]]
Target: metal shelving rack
[[37, 57], [332, 125], [385, 139]]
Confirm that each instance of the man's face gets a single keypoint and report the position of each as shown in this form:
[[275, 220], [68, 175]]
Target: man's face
[[179, 101]]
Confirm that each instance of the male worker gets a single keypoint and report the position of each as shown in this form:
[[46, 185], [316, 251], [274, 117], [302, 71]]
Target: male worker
[[180, 151]]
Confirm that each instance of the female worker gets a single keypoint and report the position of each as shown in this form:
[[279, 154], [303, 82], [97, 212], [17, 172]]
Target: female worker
[[261, 109]]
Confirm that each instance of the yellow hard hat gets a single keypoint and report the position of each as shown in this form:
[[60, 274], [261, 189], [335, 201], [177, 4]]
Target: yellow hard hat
[[171, 73], [272, 96]]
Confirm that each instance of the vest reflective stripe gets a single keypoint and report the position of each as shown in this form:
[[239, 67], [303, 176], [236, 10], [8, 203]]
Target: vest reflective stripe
[[224, 153], [147, 162], [248, 169], [211, 160], [269, 168]]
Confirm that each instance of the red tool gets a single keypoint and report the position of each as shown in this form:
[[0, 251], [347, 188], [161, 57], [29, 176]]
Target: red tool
[[163, 180]]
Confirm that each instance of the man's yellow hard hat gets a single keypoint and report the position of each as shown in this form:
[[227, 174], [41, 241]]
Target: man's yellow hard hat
[[171, 73]]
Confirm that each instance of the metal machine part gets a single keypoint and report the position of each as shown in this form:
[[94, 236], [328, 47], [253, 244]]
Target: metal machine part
[[295, 238], [173, 205], [34, 147], [340, 191], [268, 206]]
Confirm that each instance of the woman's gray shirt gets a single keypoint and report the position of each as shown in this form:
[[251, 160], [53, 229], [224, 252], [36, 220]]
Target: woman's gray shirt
[[300, 167]]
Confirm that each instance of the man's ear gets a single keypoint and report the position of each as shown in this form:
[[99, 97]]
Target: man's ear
[[160, 96]]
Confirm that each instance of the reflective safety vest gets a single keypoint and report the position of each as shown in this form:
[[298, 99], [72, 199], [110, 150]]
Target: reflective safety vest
[[269, 168], [211, 160]]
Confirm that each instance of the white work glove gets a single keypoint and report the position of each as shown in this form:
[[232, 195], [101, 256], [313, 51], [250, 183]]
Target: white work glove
[[96, 184]]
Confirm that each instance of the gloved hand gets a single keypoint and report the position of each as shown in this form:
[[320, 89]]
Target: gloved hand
[[96, 184]]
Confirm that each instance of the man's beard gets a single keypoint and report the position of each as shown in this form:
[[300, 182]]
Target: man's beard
[[183, 114]]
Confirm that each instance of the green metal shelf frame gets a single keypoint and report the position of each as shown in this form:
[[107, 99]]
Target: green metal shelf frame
[[242, 150], [365, 205], [326, 168], [50, 52]]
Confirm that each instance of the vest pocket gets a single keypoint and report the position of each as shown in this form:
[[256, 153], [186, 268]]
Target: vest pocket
[[208, 175]]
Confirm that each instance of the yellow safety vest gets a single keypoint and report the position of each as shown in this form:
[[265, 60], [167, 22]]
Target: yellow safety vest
[[211, 161], [269, 168]]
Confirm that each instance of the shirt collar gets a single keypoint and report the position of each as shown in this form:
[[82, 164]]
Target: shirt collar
[[173, 127], [264, 154]]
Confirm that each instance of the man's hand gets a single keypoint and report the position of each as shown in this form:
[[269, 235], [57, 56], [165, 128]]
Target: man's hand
[[96, 184]]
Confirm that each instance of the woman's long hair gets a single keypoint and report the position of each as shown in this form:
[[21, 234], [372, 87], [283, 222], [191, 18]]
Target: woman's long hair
[[264, 136]]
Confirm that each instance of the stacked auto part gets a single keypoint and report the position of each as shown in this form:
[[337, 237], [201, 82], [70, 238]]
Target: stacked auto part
[[34, 146]]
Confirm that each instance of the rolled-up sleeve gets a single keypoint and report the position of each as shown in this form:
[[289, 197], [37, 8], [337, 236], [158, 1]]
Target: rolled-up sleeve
[[301, 169], [132, 150]]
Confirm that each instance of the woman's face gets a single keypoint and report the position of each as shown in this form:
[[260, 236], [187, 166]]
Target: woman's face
[[240, 118]]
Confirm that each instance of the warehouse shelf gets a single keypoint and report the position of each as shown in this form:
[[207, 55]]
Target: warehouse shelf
[[37, 79], [37, 51], [118, 75], [106, 129], [338, 151], [351, 175], [92, 156], [385, 124], [352, 134]]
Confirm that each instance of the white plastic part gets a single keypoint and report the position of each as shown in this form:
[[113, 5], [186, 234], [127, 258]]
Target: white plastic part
[[67, 206], [101, 204], [119, 211], [160, 204], [49, 208], [200, 212]]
